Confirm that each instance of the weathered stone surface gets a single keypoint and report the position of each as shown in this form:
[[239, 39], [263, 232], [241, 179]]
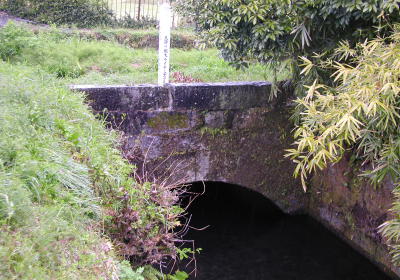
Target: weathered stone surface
[[215, 119], [234, 133], [221, 96], [353, 209], [252, 158], [229, 132], [126, 98]]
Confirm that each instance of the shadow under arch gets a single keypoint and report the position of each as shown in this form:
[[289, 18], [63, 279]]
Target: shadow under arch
[[241, 201], [246, 236]]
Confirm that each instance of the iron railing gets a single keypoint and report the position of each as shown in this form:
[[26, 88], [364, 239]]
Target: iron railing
[[138, 10]]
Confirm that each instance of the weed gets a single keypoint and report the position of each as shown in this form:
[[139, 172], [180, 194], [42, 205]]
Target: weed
[[147, 235], [179, 77], [13, 41]]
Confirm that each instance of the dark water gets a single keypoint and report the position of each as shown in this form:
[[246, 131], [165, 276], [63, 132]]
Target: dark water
[[250, 239]]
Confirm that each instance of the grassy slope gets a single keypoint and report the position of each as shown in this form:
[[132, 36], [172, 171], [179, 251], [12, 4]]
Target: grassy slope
[[53, 157]]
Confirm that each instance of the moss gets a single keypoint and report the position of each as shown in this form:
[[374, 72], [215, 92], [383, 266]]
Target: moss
[[327, 198], [213, 131], [181, 153], [356, 183], [350, 221], [168, 120]]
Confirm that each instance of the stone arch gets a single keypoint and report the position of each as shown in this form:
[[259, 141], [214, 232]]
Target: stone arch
[[234, 133], [229, 132], [234, 157]]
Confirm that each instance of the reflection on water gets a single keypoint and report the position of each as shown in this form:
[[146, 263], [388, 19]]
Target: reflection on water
[[250, 239]]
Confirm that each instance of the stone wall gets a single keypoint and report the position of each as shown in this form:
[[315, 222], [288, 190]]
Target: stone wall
[[227, 132], [354, 209]]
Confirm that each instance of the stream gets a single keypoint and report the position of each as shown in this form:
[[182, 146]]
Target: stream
[[249, 238]]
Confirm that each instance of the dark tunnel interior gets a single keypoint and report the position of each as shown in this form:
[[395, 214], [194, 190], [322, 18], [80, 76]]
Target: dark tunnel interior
[[248, 237]]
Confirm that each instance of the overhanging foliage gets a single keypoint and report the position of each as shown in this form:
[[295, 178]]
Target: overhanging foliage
[[274, 31], [360, 114]]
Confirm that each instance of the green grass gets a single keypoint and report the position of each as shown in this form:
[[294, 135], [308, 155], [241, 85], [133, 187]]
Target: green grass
[[203, 65], [58, 165], [53, 154], [59, 171], [102, 62]]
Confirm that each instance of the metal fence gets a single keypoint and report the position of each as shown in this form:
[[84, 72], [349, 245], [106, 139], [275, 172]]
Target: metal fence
[[139, 10]]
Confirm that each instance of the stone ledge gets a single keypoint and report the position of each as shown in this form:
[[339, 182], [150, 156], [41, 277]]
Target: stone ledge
[[201, 96], [125, 98]]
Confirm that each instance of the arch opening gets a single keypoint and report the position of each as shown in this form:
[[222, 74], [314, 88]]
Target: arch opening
[[247, 237]]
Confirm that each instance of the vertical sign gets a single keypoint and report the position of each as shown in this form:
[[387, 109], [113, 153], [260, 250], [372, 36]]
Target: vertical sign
[[164, 44]]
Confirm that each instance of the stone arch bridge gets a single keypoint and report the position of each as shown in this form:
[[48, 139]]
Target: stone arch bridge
[[235, 133]]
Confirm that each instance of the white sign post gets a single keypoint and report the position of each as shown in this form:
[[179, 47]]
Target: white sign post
[[164, 44]]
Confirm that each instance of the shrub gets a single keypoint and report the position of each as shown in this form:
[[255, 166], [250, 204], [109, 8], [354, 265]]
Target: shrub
[[276, 31], [134, 23], [83, 13], [358, 114], [13, 41]]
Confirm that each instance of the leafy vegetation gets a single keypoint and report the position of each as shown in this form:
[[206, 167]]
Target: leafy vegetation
[[77, 12], [280, 31], [13, 41], [358, 114]]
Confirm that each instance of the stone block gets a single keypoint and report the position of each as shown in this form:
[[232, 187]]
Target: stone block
[[126, 98], [220, 96]]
